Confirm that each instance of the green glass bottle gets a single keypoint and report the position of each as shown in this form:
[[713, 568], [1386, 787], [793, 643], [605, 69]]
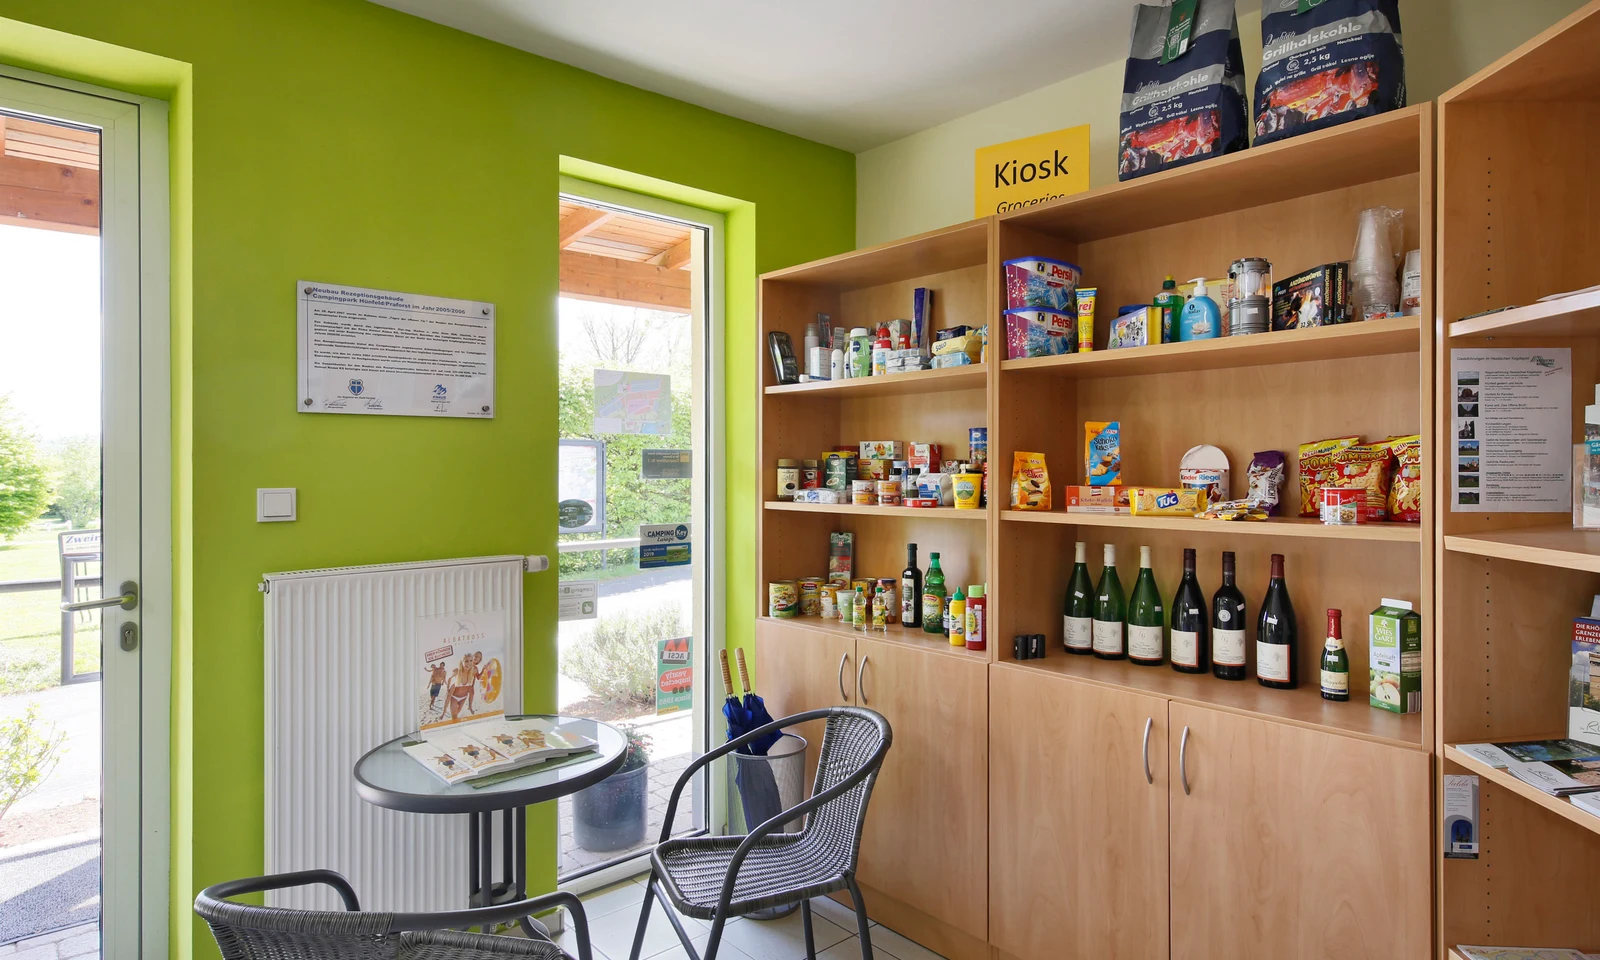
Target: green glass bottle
[[1077, 617], [933, 595], [1335, 662], [1146, 618], [1110, 611]]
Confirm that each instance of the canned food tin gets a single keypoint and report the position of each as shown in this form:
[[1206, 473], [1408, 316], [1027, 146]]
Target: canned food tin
[[889, 585], [783, 600], [863, 492], [811, 597], [978, 444], [1344, 505], [810, 475], [828, 601], [888, 493]]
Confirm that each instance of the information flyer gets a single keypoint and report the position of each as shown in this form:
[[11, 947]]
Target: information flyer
[[1512, 415], [395, 354]]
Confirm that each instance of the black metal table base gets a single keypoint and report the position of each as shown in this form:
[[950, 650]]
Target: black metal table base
[[482, 891]]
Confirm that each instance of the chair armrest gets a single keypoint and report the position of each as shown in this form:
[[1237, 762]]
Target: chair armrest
[[503, 913], [219, 892]]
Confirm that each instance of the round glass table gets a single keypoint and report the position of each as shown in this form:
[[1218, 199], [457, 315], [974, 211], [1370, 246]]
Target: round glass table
[[387, 777]]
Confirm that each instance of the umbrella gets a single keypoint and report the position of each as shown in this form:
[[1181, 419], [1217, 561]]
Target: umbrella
[[758, 789], [738, 720], [756, 709]]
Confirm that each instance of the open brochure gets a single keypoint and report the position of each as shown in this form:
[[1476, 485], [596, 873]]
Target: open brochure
[[1560, 777], [462, 752], [1521, 953], [1503, 755]]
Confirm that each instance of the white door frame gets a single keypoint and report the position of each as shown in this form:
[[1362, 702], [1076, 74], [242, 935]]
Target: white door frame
[[710, 499], [136, 442]]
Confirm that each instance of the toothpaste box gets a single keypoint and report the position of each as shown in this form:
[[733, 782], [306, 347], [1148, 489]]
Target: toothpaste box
[[1110, 499], [1395, 657], [923, 457], [883, 450]]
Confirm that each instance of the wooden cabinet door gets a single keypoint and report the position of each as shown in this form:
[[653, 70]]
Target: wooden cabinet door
[[799, 669], [1078, 849], [1296, 843], [926, 837]]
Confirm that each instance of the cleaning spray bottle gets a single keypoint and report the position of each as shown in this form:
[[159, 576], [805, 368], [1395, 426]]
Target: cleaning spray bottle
[[1202, 318]]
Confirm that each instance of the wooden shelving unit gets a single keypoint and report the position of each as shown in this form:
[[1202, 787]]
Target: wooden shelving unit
[[1517, 204], [916, 513], [902, 384], [1275, 527]]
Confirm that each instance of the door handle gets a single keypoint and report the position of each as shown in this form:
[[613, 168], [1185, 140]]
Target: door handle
[[1183, 761], [861, 692], [1149, 722], [127, 600], [844, 658]]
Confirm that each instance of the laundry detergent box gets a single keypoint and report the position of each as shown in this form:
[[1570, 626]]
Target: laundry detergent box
[[1395, 657]]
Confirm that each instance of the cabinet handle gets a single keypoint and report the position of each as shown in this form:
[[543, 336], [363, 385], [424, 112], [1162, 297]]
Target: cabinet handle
[[861, 692], [844, 658], [1183, 761], [1148, 723]]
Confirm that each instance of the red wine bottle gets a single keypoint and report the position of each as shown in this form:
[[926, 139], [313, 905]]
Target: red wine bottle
[[1191, 637], [1228, 626], [1277, 635]]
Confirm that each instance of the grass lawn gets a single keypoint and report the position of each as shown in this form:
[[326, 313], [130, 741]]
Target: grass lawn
[[30, 623]]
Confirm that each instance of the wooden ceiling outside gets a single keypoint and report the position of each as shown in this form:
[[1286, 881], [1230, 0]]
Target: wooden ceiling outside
[[624, 259], [49, 176]]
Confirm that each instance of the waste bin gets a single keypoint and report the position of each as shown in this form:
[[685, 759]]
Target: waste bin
[[769, 785]]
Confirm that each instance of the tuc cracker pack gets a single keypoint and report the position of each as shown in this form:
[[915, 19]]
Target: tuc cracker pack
[[1102, 452], [1395, 657]]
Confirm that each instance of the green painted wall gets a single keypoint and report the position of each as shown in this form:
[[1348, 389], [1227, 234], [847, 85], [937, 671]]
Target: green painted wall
[[340, 141]]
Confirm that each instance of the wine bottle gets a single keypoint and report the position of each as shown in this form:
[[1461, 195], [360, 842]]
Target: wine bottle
[[1146, 619], [1110, 611], [933, 597], [1277, 635], [911, 590], [1335, 662], [1191, 640], [1228, 626], [1077, 618]]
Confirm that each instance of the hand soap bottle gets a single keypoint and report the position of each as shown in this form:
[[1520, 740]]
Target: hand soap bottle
[[1202, 318]]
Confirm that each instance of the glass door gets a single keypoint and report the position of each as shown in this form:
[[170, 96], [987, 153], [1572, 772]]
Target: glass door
[[636, 528]]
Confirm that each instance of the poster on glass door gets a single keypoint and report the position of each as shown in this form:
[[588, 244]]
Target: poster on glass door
[[1511, 417], [393, 354]]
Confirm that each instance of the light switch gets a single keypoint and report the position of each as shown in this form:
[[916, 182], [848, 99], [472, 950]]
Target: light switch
[[275, 504]]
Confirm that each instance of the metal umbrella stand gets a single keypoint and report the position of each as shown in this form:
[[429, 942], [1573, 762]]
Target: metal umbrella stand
[[781, 774]]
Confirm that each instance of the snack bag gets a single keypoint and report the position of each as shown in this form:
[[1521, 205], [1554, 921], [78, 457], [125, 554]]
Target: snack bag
[[1264, 479], [1405, 487], [1316, 467], [1102, 452], [1030, 482], [1183, 96], [1367, 467], [1326, 62]]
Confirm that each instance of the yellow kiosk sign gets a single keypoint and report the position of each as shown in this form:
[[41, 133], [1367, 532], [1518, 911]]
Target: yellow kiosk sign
[[1021, 173]]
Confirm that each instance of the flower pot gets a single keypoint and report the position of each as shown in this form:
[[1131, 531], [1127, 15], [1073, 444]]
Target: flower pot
[[614, 813]]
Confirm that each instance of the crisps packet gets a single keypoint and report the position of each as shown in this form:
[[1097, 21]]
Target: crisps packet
[[1367, 467], [1405, 487], [1264, 480], [1030, 482], [1317, 470]]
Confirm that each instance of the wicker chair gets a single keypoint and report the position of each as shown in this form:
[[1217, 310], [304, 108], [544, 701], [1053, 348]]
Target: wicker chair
[[246, 932], [715, 878]]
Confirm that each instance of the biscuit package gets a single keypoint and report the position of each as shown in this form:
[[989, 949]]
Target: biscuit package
[[1030, 482], [1102, 452]]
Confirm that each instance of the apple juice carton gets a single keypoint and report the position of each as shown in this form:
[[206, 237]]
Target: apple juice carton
[[1395, 657]]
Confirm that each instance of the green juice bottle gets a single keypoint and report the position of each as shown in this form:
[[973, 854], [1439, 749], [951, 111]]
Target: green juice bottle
[[933, 594]]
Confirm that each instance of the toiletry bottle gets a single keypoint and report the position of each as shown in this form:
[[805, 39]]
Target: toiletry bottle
[[837, 368], [813, 355], [1201, 318], [880, 351], [1169, 306]]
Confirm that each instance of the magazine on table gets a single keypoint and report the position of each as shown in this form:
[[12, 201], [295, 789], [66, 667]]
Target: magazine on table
[[467, 751], [1560, 777]]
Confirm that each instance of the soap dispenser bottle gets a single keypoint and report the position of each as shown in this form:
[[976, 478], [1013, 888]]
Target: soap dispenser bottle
[[1202, 318]]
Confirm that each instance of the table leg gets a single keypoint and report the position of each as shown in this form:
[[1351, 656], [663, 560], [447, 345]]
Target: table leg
[[519, 870], [472, 862], [486, 863]]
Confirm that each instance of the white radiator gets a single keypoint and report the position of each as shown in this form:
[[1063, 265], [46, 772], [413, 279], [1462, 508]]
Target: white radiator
[[341, 678]]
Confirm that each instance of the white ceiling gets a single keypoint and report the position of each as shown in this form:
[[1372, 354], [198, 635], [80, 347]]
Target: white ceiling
[[850, 73]]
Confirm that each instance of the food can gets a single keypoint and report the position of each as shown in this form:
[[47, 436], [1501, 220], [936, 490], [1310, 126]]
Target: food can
[[811, 597], [828, 601], [889, 584], [888, 493], [783, 600], [969, 490], [1344, 505], [863, 493], [978, 444], [788, 478], [810, 475]]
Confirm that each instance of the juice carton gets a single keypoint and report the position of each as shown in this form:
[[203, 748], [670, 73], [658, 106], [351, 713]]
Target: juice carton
[[1395, 657]]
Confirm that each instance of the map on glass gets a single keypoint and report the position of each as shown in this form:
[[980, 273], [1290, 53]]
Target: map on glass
[[632, 403]]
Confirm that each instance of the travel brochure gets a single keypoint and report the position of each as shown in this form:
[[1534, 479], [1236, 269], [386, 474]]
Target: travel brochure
[[1522, 953], [461, 674], [467, 751]]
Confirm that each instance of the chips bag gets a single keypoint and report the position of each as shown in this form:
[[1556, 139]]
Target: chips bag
[[1030, 482], [1405, 487], [1316, 467], [1367, 467]]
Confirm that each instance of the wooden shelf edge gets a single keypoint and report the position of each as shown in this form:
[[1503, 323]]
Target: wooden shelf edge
[[851, 265], [1560, 317], [853, 509], [971, 377], [1519, 544], [1279, 527], [1411, 724], [934, 644], [1366, 338], [1560, 806]]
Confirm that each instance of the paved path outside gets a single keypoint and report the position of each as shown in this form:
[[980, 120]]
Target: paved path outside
[[75, 709], [48, 885], [81, 942]]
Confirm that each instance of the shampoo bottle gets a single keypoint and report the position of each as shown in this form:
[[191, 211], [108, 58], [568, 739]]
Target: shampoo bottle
[[1202, 318]]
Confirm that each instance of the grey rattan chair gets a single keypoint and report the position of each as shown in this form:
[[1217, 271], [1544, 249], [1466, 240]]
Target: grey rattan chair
[[246, 932], [714, 878]]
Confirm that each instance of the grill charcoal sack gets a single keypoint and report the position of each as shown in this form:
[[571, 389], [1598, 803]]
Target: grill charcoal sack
[[1325, 62], [1181, 104]]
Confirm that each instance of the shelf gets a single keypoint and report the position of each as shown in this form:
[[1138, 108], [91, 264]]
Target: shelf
[[971, 377], [1574, 316], [1278, 527], [1387, 145], [1552, 546], [937, 251], [1302, 707], [929, 642], [1369, 338], [1561, 806], [916, 513]]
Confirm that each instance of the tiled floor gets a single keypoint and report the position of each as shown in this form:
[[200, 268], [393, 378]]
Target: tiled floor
[[614, 914], [74, 943]]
